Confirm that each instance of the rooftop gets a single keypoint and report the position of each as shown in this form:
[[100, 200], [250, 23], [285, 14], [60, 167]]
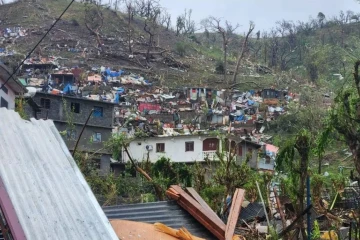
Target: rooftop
[[167, 212], [42, 192]]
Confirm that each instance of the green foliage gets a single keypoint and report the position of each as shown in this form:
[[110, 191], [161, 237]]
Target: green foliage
[[171, 173], [338, 181], [181, 48], [219, 67], [316, 234], [272, 234], [293, 160], [115, 145], [214, 195], [310, 117], [19, 107]]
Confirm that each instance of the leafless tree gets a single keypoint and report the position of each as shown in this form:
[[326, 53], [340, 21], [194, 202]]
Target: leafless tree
[[189, 27], [151, 27], [180, 24], [243, 50], [226, 33], [165, 19], [130, 15], [94, 21], [145, 8]]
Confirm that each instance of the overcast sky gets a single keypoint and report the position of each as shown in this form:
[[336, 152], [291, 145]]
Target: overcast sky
[[263, 12]]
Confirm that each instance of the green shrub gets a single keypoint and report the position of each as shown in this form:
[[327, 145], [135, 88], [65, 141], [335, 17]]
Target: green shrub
[[180, 48], [219, 67]]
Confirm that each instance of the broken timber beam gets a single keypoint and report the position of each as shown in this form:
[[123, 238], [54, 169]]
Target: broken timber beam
[[235, 209], [278, 203], [289, 228], [198, 212], [201, 201]]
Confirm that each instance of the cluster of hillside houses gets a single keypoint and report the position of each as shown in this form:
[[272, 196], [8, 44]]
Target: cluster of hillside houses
[[182, 124]]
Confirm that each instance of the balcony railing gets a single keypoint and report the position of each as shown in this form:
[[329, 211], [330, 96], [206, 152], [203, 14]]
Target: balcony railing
[[210, 155]]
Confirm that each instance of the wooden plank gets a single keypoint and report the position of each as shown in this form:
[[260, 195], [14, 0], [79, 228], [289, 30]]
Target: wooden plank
[[196, 213], [172, 195], [199, 213], [201, 201], [235, 209], [193, 202]]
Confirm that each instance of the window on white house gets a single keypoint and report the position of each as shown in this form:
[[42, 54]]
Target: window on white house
[[189, 146], [75, 107], [4, 103], [5, 90], [97, 137], [160, 147], [45, 103]]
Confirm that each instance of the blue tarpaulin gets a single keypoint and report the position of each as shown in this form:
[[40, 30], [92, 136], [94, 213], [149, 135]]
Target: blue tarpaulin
[[239, 118], [120, 90], [67, 88], [250, 102], [113, 73]]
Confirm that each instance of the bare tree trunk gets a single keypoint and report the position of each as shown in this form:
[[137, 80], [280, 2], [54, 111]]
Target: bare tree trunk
[[158, 190], [225, 57], [243, 49], [129, 7]]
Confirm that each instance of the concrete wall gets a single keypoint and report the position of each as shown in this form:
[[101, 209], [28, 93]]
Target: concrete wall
[[9, 97], [174, 149], [253, 163], [86, 143], [57, 111]]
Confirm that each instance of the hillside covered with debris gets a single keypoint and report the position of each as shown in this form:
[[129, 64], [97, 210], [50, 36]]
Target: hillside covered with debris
[[94, 35]]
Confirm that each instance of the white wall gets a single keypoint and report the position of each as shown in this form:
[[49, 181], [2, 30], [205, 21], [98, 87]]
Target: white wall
[[174, 149], [9, 97]]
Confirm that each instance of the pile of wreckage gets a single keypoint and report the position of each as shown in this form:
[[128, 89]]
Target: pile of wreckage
[[52, 209]]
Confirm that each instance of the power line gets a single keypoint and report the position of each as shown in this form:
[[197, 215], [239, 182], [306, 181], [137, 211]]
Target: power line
[[52, 26]]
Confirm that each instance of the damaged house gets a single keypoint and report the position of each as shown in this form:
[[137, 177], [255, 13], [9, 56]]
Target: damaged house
[[70, 114], [10, 90]]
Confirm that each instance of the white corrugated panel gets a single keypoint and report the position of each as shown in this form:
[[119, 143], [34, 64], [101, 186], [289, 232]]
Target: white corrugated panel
[[51, 197]]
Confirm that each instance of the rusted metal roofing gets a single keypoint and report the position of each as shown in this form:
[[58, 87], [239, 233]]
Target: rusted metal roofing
[[43, 186], [167, 212]]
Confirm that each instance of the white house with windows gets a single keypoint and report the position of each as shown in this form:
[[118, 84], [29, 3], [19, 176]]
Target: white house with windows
[[10, 90], [189, 148]]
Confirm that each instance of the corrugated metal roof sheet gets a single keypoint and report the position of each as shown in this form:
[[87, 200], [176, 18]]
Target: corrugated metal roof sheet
[[168, 213], [251, 211], [47, 190]]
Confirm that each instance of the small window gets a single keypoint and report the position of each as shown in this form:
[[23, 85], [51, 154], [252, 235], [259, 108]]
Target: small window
[[98, 112], [160, 147], [97, 137], [71, 134], [45, 103], [5, 90], [75, 107], [4, 103], [189, 146]]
